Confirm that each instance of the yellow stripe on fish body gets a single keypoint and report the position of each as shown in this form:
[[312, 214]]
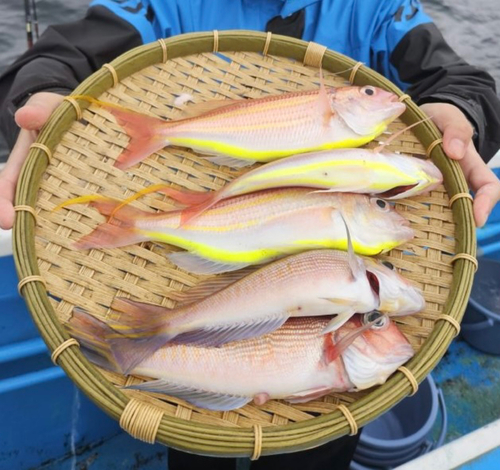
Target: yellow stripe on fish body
[[257, 256], [265, 155], [299, 170]]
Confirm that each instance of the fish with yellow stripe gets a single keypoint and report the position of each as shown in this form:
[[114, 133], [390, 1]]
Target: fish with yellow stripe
[[253, 228], [385, 174], [241, 132]]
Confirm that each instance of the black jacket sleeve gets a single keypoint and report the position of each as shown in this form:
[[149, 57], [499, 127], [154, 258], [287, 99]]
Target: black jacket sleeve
[[437, 74], [63, 57]]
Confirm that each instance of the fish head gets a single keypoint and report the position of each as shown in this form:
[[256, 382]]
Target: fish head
[[420, 176], [375, 223], [366, 110], [376, 353], [397, 295]]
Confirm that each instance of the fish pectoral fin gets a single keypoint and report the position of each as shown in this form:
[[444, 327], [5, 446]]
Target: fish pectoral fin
[[223, 160], [338, 321], [338, 301], [308, 395], [203, 398], [218, 335], [324, 107], [198, 265]]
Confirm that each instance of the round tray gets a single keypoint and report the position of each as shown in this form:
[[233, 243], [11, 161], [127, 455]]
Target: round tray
[[74, 156]]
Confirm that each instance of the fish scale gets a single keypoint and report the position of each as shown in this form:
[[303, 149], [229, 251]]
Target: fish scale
[[241, 132], [294, 363], [255, 228]]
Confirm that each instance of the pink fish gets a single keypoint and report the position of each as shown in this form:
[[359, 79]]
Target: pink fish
[[314, 283], [384, 174], [241, 132], [295, 363], [254, 228]]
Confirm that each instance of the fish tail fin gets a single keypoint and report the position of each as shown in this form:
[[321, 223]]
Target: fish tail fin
[[145, 132], [140, 330], [109, 235], [91, 333], [197, 202], [118, 231], [128, 353], [133, 318]]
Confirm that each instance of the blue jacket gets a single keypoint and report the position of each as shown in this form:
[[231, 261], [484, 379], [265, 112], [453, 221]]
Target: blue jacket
[[365, 30], [394, 37]]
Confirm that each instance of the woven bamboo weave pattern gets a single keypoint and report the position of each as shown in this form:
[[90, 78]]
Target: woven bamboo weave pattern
[[82, 163]]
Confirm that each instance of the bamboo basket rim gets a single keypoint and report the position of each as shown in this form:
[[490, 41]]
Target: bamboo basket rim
[[209, 439]]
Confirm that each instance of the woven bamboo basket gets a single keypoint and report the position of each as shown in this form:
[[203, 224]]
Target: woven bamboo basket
[[74, 156]]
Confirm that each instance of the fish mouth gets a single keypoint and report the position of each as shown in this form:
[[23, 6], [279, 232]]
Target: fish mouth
[[405, 223], [397, 191]]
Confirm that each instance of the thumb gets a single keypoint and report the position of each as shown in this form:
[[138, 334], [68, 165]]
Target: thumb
[[456, 129], [34, 114]]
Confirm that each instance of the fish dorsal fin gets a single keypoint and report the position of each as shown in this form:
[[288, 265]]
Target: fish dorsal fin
[[211, 286], [323, 101], [356, 264], [205, 107], [196, 396]]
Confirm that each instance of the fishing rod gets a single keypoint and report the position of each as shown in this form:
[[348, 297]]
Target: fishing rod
[[31, 19]]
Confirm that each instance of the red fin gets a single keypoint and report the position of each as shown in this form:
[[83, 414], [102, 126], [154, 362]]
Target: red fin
[[197, 202], [119, 210], [110, 236], [192, 212], [187, 198], [145, 132]]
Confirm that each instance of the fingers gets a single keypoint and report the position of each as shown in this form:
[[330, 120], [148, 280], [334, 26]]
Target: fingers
[[7, 189], [483, 182], [456, 128], [457, 143], [9, 176], [31, 117], [34, 114]]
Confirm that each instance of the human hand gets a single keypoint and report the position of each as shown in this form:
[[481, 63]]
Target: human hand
[[30, 118], [457, 143]]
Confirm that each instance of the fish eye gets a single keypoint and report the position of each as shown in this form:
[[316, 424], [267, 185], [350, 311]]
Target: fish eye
[[379, 319], [388, 264], [368, 90], [383, 205]]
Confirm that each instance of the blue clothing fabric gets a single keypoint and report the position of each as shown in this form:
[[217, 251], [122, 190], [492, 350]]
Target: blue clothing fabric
[[365, 30]]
